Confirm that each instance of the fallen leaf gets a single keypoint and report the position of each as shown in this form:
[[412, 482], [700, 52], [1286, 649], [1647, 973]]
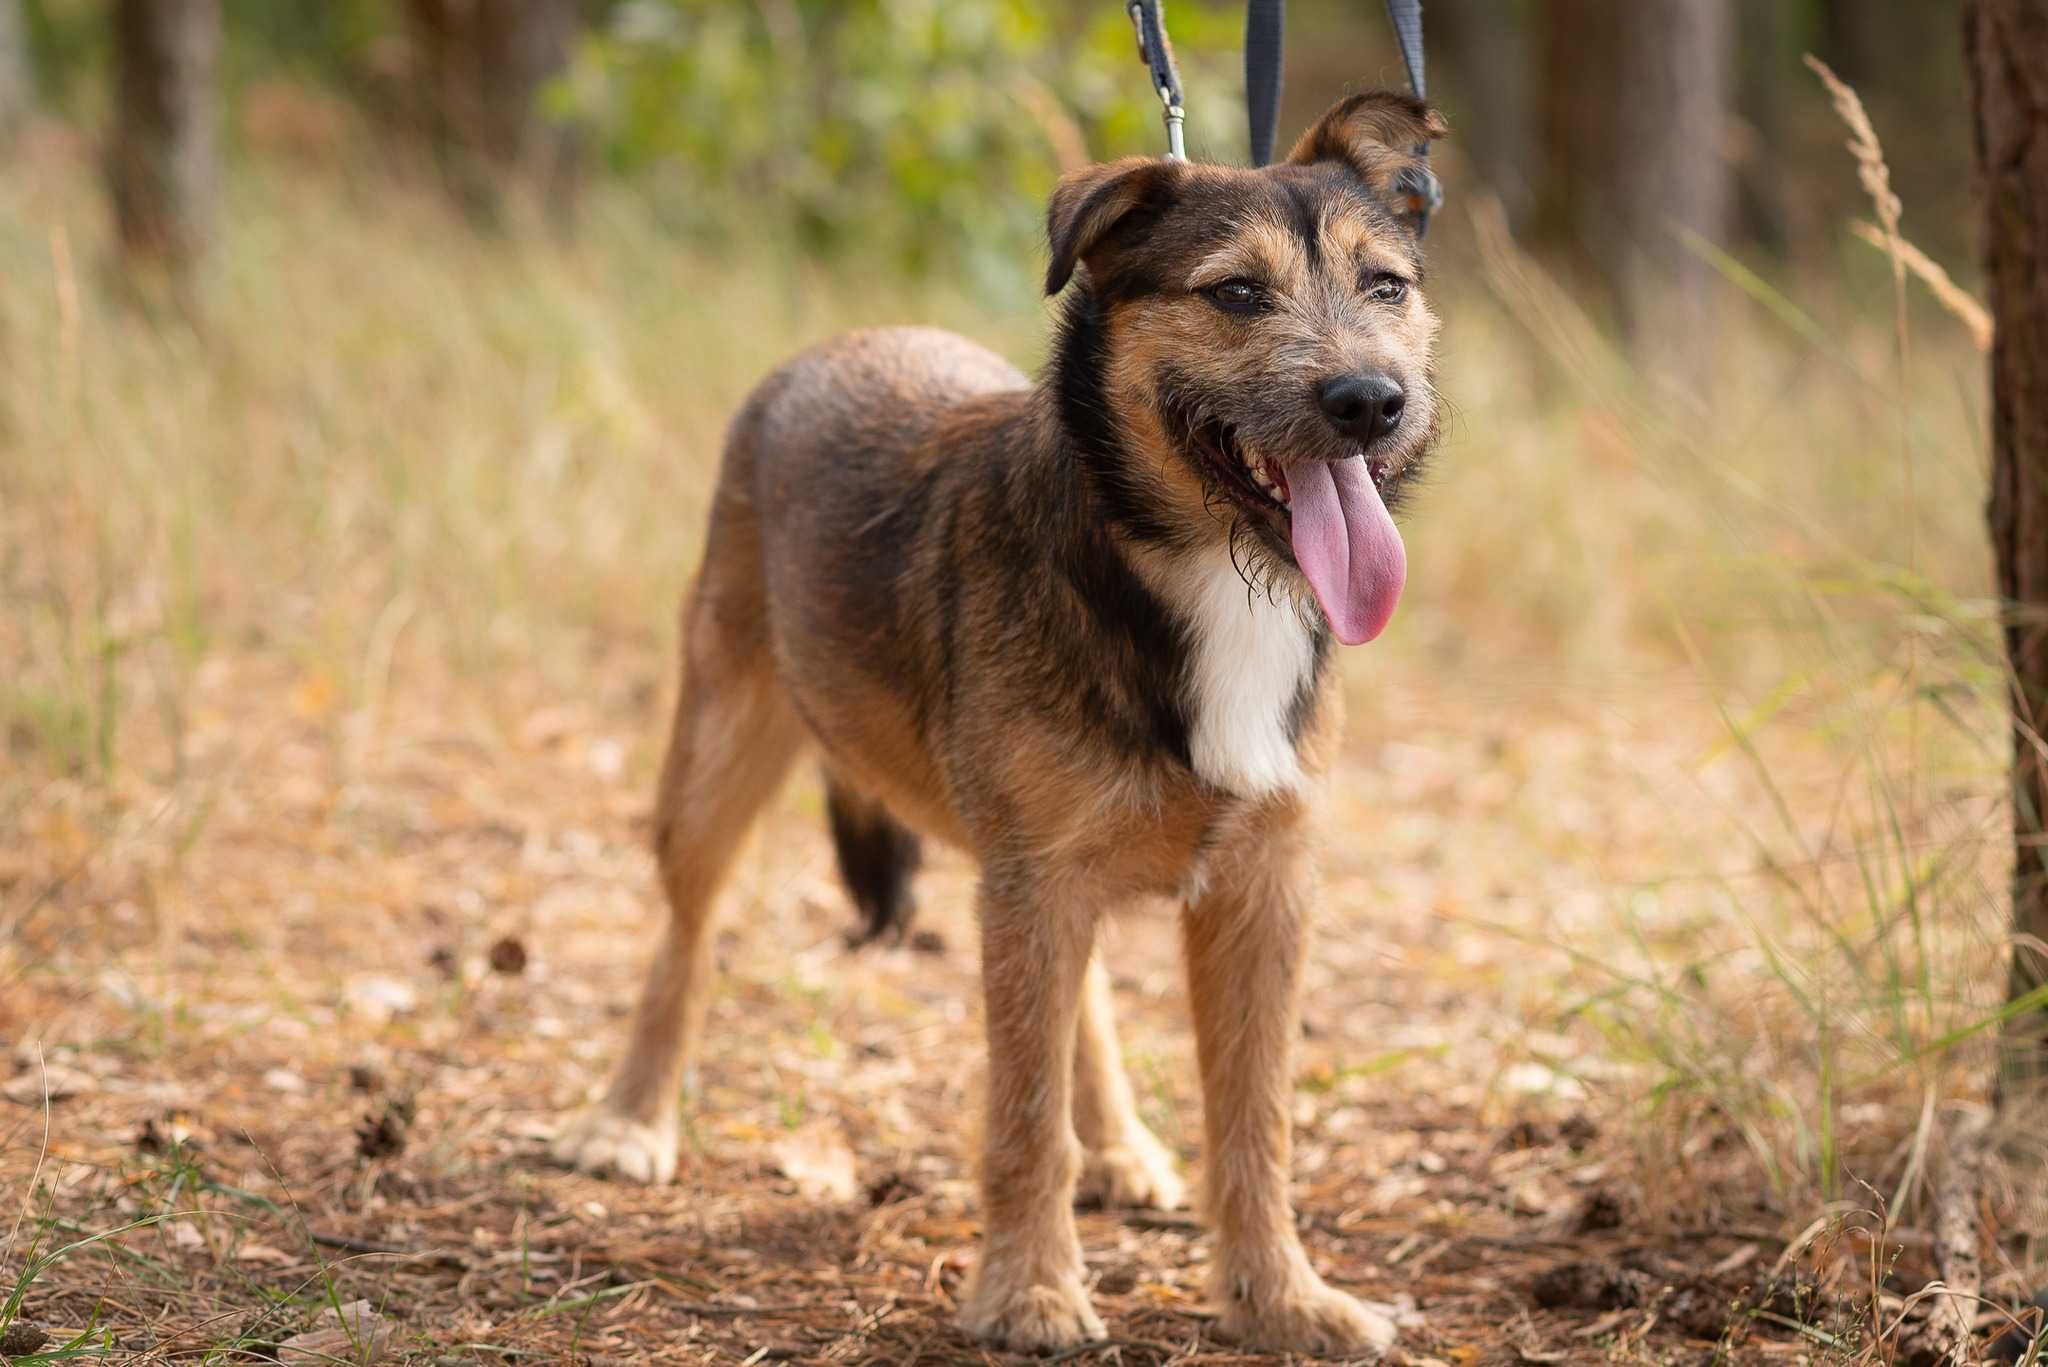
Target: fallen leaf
[[263, 1253], [284, 1080], [819, 1162], [1602, 1325], [1116, 1281], [353, 1333], [60, 1081], [377, 998], [1535, 1079], [21, 1338], [1735, 1261]]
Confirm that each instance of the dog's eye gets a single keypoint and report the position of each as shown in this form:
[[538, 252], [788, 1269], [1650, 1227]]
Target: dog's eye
[[1238, 296], [1387, 289]]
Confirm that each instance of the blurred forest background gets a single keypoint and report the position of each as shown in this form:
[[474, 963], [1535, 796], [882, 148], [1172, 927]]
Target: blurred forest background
[[363, 366], [936, 130]]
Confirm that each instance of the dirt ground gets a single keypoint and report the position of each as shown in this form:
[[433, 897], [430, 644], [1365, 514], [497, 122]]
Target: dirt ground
[[305, 1013]]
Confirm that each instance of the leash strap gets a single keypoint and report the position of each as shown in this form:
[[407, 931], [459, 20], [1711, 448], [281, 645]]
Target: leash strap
[[1264, 21], [1425, 194], [1157, 55], [1407, 19]]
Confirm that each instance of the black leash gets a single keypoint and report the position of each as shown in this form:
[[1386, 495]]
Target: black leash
[[1264, 23], [1425, 194], [1406, 16], [1157, 55]]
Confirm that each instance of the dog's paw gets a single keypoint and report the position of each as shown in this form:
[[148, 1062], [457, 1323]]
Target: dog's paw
[[598, 1141], [1308, 1317], [1135, 1176], [1031, 1317]]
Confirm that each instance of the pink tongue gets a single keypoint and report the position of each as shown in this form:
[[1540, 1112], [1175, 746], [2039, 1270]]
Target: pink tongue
[[1346, 543]]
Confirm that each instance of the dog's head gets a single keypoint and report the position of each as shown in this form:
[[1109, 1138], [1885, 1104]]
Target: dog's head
[[1249, 354]]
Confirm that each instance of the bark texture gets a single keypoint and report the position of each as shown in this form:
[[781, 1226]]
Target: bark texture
[[1851, 34], [1634, 107], [165, 157], [2006, 46], [484, 65], [1477, 65], [1768, 42]]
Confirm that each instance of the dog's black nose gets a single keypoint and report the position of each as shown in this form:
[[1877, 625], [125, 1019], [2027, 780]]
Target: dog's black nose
[[1365, 407]]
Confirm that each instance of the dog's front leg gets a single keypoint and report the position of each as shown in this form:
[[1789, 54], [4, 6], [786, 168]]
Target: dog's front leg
[[1245, 940], [1027, 1291]]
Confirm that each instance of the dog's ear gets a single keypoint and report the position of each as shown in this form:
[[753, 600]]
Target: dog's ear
[[1089, 203], [1376, 135]]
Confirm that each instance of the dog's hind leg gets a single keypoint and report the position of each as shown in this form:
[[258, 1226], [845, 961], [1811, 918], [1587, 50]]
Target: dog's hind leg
[[1122, 1163], [877, 857], [735, 738]]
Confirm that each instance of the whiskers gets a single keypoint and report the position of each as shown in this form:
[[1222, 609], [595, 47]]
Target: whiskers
[[1260, 569]]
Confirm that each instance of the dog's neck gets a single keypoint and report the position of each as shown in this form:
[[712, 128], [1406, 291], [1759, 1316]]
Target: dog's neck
[[1252, 654], [1085, 419]]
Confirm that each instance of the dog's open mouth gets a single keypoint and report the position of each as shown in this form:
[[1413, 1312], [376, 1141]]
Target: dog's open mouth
[[1328, 516], [1257, 482]]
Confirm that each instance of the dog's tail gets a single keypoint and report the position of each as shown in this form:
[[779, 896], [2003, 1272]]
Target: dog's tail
[[877, 856]]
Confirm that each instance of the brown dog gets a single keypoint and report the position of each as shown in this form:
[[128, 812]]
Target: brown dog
[[1081, 629]]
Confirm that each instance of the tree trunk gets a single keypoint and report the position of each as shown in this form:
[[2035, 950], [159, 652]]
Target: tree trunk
[[1476, 56], [167, 125], [2005, 43], [485, 62], [1634, 96], [17, 77], [1850, 37], [1767, 46]]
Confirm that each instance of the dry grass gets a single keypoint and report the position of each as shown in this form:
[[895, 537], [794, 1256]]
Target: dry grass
[[1662, 888]]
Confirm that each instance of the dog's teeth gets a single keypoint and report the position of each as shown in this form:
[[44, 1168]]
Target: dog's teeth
[[1266, 478]]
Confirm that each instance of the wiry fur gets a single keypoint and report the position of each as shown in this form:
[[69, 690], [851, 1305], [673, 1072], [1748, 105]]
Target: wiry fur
[[1042, 623]]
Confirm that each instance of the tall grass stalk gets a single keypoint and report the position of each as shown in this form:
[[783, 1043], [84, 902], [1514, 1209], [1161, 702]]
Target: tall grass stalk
[[1845, 651]]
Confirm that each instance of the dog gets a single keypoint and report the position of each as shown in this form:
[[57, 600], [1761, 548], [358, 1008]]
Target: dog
[[1081, 629]]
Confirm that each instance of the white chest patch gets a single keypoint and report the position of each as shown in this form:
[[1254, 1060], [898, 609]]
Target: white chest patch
[[1251, 656]]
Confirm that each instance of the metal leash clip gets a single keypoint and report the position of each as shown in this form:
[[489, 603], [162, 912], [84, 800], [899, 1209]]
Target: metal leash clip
[[1157, 55]]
